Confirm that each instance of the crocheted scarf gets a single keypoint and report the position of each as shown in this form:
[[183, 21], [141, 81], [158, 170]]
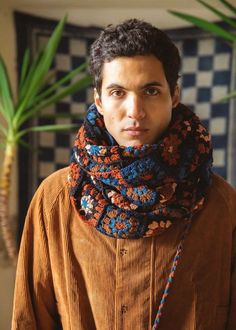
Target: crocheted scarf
[[140, 191]]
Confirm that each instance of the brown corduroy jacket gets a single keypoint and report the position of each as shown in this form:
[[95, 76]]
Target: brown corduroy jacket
[[70, 276]]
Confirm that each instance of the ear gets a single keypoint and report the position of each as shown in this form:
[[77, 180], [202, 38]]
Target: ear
[[98, 101], [176, 97]]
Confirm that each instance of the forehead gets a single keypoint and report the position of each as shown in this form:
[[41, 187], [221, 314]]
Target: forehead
[[133, 71]]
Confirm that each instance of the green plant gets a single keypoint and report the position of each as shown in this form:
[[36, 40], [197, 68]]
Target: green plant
[[34, 94], [228, 34]]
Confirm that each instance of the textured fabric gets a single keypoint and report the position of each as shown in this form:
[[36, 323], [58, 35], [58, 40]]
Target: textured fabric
[[71, 277], [133, 192]]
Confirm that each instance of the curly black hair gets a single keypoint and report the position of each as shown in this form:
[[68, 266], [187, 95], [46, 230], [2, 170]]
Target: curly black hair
[[131, 38]]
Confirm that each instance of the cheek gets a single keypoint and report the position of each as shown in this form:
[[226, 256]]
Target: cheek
[[110, 120], [161, 113], [161, 119], [167, 117], [112, 115]]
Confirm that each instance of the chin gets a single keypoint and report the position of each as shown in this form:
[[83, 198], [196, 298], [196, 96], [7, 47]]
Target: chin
[[133, 143]]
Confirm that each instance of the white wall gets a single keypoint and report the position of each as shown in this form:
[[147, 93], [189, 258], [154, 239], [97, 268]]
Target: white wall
[[104, 16]]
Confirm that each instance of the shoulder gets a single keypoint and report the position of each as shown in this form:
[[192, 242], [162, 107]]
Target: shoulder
[[53, 188], [223, 188], [222, 195], [57, 180]]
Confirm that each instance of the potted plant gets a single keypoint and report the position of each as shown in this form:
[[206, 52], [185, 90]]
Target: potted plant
[[34, 94], [228, 34]]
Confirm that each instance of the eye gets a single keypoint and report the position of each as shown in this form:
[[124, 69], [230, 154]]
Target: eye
[[117, 93], [151, 91]]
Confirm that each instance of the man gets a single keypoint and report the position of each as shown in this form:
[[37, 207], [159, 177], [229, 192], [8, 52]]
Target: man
[[137, 233]]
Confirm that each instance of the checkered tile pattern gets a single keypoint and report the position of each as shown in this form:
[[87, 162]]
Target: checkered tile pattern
[[54, 148], [205, 78]]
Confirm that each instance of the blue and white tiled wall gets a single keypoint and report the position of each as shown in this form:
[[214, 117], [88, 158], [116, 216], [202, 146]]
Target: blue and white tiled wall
[[206, 77]]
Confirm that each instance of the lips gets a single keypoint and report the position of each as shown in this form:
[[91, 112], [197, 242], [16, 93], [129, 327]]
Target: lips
[[134, 131]]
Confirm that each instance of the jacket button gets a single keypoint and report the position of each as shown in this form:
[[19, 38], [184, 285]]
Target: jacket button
[[124, 309], [123, 252]]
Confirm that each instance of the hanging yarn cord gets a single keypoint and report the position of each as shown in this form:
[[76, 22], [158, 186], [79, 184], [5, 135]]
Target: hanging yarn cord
[[175, 262]]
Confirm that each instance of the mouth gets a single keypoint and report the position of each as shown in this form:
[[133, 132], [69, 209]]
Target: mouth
[[135, 131]]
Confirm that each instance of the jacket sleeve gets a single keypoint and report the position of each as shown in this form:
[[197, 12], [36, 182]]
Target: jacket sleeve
[[34, 304], [232, 313]]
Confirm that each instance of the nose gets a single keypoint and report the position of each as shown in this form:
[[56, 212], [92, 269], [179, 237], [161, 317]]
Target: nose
[[135, 108]]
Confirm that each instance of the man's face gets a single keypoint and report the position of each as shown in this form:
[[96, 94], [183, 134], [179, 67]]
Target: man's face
[[135, 99]]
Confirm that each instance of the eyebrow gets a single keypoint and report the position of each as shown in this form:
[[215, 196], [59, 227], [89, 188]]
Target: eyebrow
[[152, 83]]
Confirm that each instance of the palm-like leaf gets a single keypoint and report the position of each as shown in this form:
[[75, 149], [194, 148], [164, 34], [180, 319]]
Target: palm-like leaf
[[42, 65], [25, 67], [229, 96], [59, 83], [34, 95], [226, 34], [6, 103], [45, 128], [229, 6], [207, 26], [224, 17]]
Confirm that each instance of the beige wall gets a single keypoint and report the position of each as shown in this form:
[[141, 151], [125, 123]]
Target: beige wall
[[7, 272], [8, 50]]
